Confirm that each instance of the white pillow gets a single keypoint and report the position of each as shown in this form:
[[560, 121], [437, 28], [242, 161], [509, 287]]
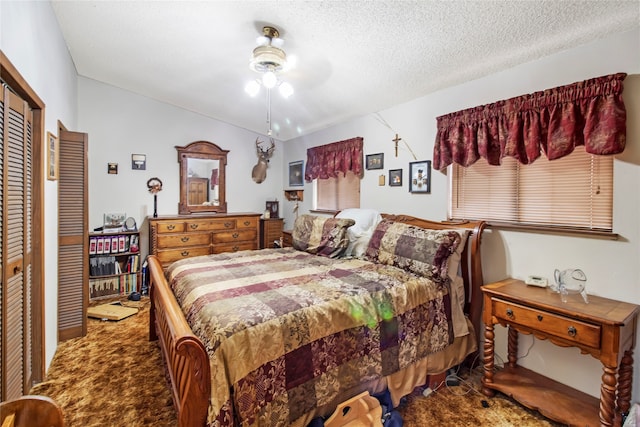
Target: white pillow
[[360, 233]]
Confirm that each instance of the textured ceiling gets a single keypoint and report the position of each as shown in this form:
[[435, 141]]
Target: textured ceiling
[[353, 57]]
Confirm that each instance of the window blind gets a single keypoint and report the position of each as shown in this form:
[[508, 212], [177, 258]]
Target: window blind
[[573, 191]]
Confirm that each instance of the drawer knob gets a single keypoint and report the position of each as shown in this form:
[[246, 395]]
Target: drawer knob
[[540, 317], [193, 226], [246, 223], [235, 235], [171, 227], [184, 253], [572, 331], [185, 239], [509, 313], [236, 249], [228, 224]]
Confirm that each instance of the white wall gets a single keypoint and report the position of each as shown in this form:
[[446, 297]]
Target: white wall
[[612, 267], [32, 41], [121, 123]]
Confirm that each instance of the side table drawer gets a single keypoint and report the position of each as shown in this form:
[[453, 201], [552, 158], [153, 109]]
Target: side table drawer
[[548, 323], [287, 239]]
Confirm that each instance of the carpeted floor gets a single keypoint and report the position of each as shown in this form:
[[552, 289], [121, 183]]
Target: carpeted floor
[[114, 377]]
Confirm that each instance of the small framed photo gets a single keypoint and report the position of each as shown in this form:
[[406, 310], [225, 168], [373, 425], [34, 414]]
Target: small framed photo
[[395, 177], [114, 220], [296, 174], [375, 161], [139, 162], [52, 157], [112, 168], [420, 177], [273, 208]]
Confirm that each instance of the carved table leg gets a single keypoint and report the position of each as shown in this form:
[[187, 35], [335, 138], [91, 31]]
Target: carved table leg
[[489, 336], [607, 396], [625, 373], [512, 346]]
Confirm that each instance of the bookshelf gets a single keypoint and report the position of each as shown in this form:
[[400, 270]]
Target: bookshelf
[[114, 264]]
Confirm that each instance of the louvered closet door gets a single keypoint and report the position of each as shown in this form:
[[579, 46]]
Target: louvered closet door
[[16, 220], [73, 268]]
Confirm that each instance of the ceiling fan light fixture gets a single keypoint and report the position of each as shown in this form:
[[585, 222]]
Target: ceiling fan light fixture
[[269, 79], [286, 90], [267, 58], [252, 88]]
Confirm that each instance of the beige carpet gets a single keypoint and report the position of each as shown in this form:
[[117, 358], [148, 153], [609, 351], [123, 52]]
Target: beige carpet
[[114, 377]]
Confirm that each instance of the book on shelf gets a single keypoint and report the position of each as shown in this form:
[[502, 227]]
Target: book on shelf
[[106, 246], [122, 247], [114, 244], [93, 242], [99, 245]]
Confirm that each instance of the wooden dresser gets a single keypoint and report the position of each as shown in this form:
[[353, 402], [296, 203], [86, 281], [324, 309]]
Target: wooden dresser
[[604, 328], [182, 236], [270, 230]]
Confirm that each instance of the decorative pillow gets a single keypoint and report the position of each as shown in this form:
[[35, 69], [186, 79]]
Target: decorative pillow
[[421, 251], [360, 233], [321, 235]]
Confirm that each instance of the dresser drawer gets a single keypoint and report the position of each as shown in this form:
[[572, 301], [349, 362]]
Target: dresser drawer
[[210, 224], [171, 227], [249, 222], [552, 324], [234, 236], [235, 247], [168, 256], [182, 240]]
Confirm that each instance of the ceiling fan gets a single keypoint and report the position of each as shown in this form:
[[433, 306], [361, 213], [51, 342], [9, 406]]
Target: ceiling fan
[[269, 59]]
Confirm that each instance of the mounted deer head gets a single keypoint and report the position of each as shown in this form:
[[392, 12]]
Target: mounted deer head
[[259, 172]]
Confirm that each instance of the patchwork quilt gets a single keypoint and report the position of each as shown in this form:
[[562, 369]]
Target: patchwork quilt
[[286, 330]]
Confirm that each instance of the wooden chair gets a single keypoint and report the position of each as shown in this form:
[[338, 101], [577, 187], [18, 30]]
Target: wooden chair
[[31, 411]]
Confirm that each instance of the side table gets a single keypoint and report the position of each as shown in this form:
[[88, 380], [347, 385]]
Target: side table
[[604, 328]]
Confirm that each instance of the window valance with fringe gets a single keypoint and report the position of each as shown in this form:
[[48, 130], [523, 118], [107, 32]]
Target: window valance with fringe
[[326, 161], [554, 121]]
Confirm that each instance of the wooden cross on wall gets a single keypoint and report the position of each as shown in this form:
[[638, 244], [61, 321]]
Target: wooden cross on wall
[[396, 140]]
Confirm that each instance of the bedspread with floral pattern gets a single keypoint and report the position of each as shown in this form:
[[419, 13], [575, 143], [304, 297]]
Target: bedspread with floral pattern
[[286, 330]]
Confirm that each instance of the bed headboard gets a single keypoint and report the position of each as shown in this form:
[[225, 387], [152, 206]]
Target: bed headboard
[[470, 263]]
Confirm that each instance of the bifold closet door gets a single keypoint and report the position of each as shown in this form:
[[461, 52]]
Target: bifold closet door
[[16, 159], [73, 269]]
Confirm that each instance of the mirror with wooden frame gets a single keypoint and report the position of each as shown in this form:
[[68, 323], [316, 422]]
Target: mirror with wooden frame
[[202, 178]]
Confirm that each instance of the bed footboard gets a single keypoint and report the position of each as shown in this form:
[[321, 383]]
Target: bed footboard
[[185, 357]]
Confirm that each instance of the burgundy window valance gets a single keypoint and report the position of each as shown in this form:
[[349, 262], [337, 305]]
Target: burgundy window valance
[[326, 161], [554, 121]]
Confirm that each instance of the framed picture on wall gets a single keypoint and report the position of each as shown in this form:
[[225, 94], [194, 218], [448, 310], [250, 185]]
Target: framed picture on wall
[[375, 161], [395, 177], [296, 174], [420, 177], [52, 157]]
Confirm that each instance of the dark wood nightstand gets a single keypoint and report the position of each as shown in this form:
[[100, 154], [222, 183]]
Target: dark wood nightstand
[[287, 239], [270, 231], [604, 328]]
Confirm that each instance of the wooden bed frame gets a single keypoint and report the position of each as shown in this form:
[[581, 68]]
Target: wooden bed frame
[[186, 358]]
